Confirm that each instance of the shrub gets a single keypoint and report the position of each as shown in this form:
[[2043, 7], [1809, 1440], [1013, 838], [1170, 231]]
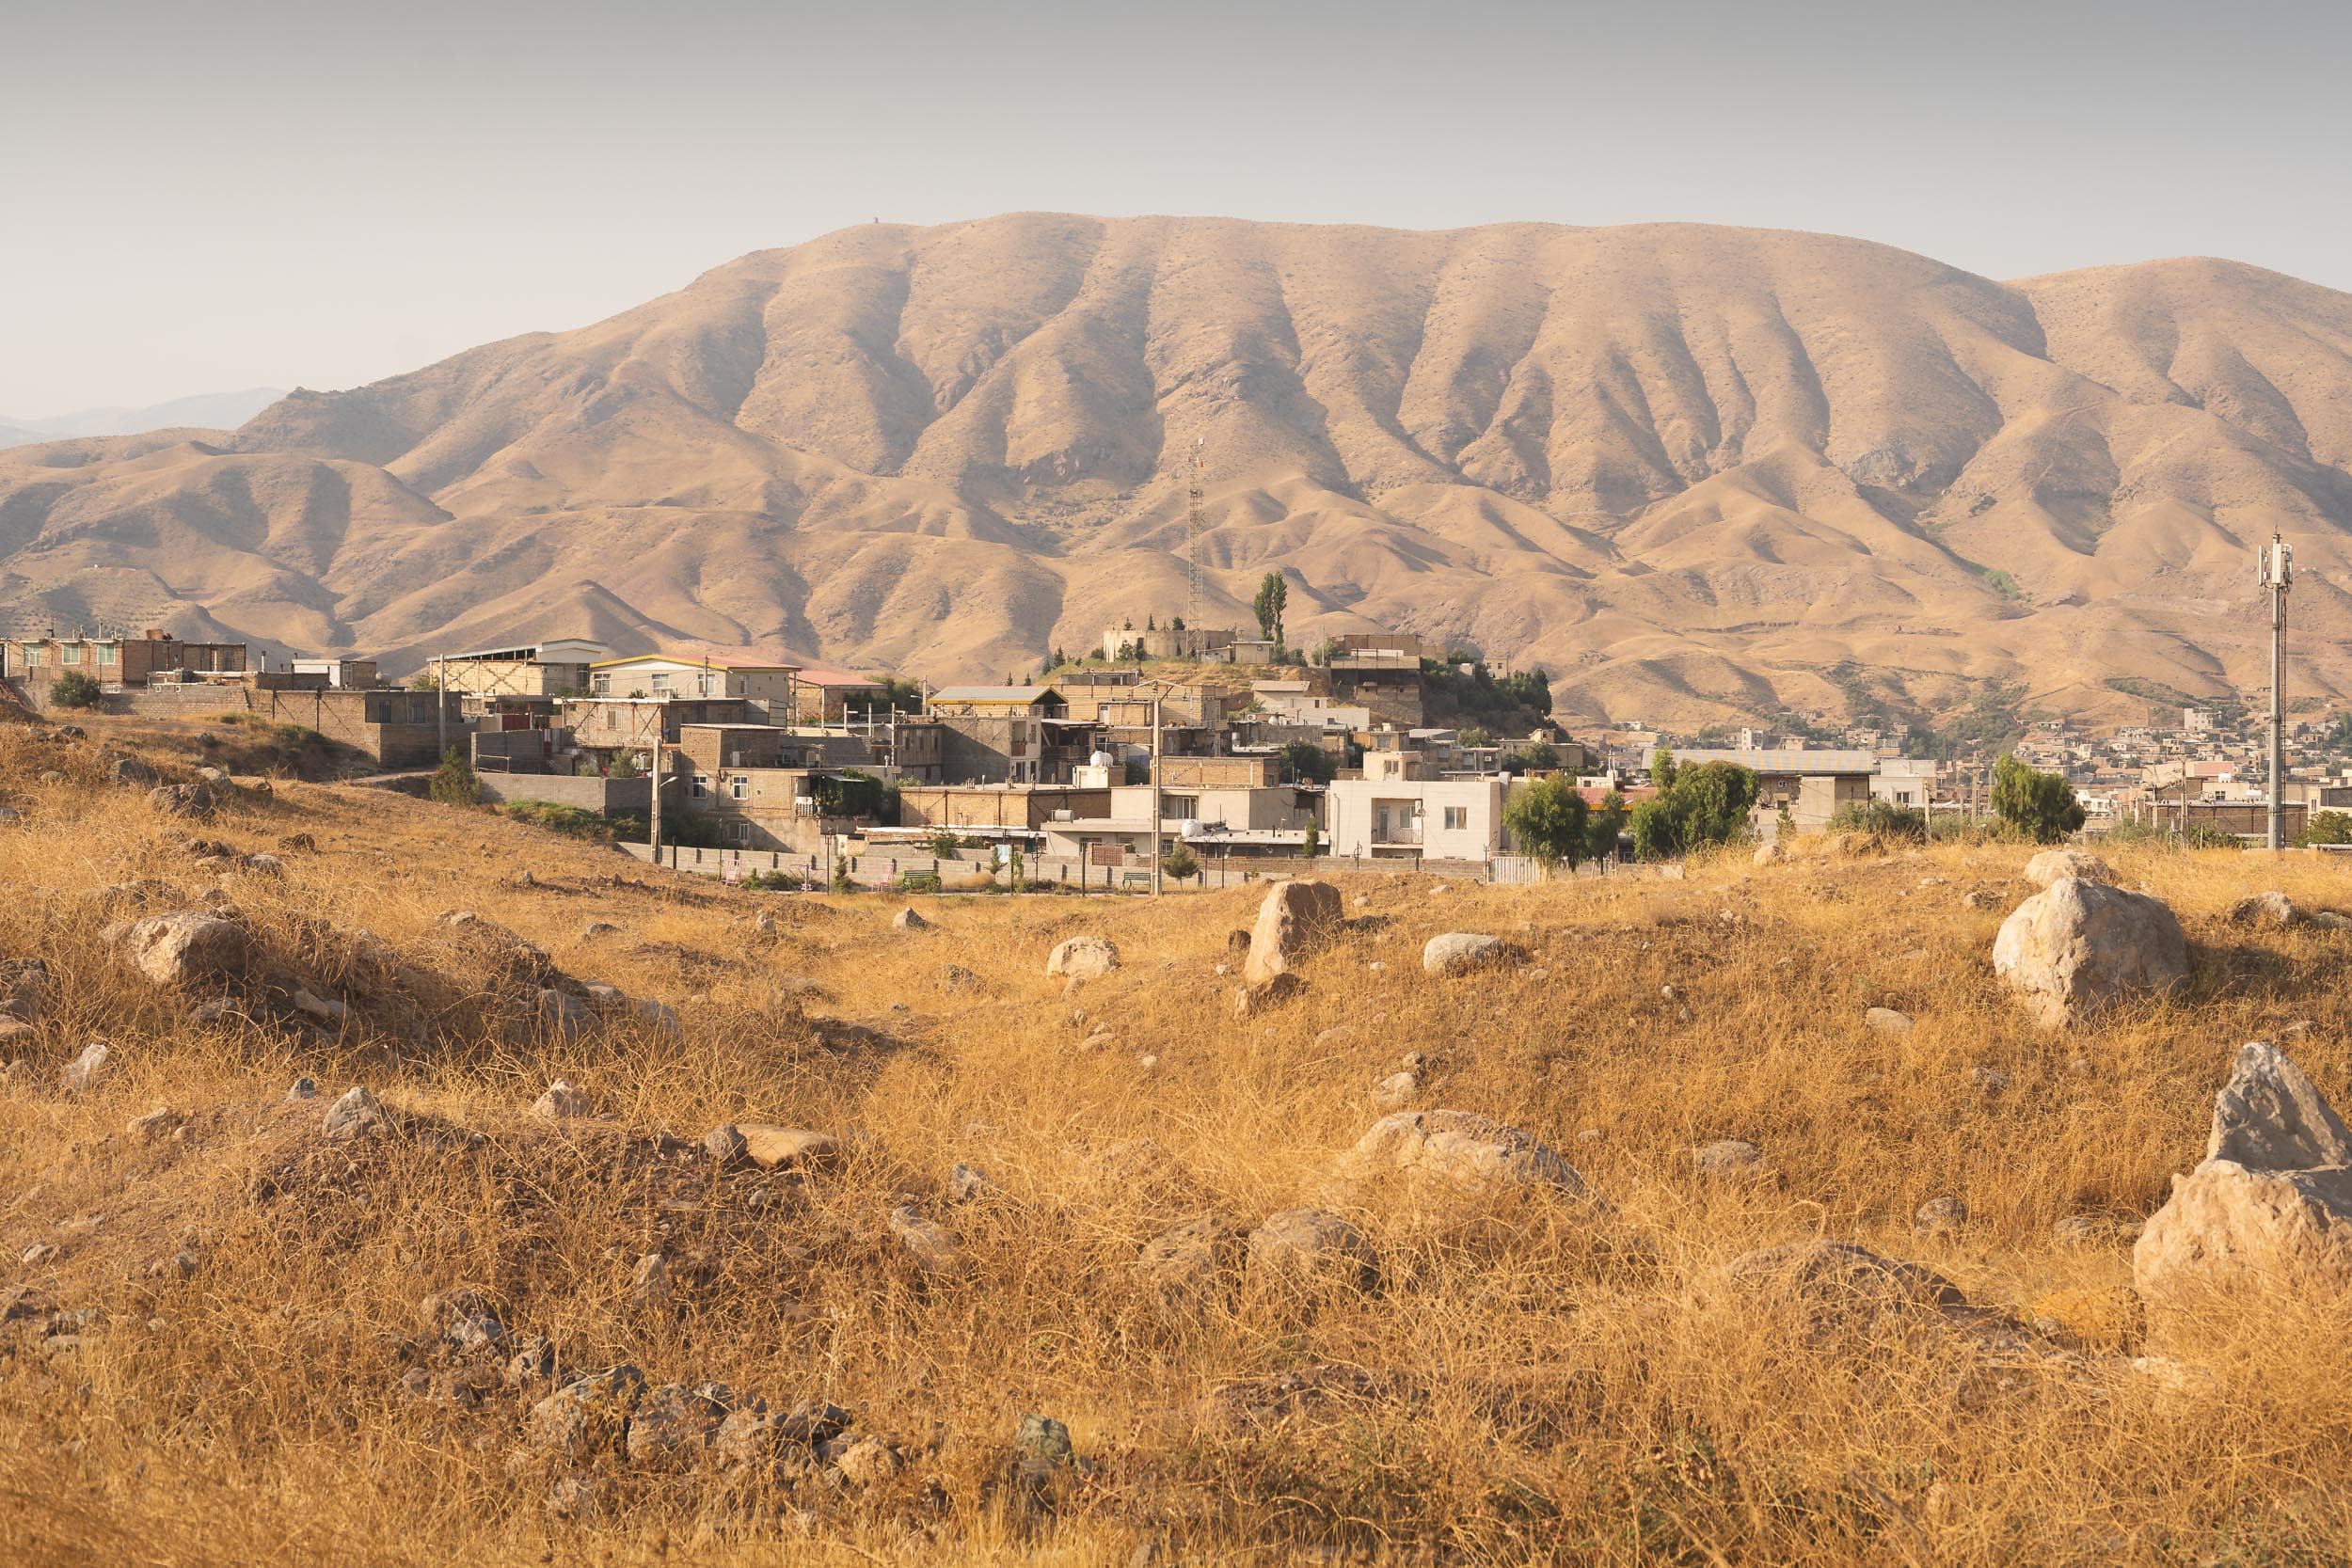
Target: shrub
[[1179, 863], [1536, 756], [453, 784], [944, 845], [919, 881], [73, 689], [1307, 762], [2041, 805], [1550, 822], [2327, 827], [1311, 845], [1882, 817], [571, 821]]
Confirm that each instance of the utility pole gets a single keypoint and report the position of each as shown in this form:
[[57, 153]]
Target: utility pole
[[1155, 795], [653, 828], [2276, 569], [440, 707]]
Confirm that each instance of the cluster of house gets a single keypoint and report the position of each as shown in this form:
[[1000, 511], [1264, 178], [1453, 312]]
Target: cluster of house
[[762, 752]]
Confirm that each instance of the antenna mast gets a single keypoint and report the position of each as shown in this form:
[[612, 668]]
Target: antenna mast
[[2277, 570], [1192, 584]]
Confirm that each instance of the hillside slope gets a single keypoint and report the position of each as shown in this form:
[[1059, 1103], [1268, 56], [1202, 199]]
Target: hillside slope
[[1693, 471]]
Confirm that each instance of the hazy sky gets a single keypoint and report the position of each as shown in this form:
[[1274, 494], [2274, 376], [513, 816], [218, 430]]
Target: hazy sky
[[201, 198]]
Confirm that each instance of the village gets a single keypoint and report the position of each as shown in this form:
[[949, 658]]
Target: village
[[1198, 755]]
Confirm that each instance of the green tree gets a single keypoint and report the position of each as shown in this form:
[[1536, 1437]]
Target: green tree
[[424, 680], [1307, 762], [1536, 756], [623, 767], [1472, 735], [2327, 827], [944, 845], [1272, 597], [1604, 826], [1179, 863], [453, 784], [1702, 805], [73, 689], [2040, 805], [1311, 845], [1550, 822]]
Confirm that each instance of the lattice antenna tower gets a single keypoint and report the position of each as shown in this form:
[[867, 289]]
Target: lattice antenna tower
[[1193, 567]]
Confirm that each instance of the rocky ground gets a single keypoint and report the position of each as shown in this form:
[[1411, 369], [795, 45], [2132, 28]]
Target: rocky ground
[[384, 1182]]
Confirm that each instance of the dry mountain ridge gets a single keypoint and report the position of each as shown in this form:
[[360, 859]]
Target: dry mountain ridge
[[1696, 472]]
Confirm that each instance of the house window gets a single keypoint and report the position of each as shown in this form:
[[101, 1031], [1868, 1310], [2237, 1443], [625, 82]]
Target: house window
[[108, 654], [662, 686], [710, 685], [73, 653], [1179, 805], [740, 832], [738, 788], [1456, 818], [701, 786], [600, 684]]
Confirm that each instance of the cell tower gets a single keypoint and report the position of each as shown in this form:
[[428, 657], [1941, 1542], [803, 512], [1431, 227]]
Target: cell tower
[[1192, 583]]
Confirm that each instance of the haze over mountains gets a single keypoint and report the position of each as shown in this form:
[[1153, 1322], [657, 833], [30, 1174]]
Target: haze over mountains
[[205, 411], [1696, 472]]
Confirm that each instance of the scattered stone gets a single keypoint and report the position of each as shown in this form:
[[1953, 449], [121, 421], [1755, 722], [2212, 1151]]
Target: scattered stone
[[595, 929], [561, 1103], [785, 1147], [325, 1011], [966, 1183], [910, 919], [534, 1361], [956, 977], [2265, 909], [765, 923], [658, 1016], [1295, 918], [2078, 946], [1309, 1248], [1460, 1148], [935, 1251], [674, 1424], [588, 1414], [1249, 1001], [2268, 1209], [1728, 1157], [356, 1114], [130, 772], [2078, 1231], [650, 1281], [1237, 942], [38, 1252], [1460, 952], [727, 1144], [1886, 1021], [476, 1331], [2332, 920], [1335, 1037], [186, 946], [1188, 1263], [1837, 1280], [83, 1071], [1939, 1218], [563, 1016], [304, 1088], [151, 1126], [1767, 853], [265, 864], [1396, 1090], [863, 1462], [1083, 958], [1991, 1080], [2056, 866]]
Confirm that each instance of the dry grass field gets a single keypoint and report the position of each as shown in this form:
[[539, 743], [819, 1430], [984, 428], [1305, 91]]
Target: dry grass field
[[240, 1350]]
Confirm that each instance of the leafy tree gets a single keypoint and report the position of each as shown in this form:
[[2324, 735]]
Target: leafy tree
[[1325, 651], [1179, 863], [1702, 805], [1061, 657], [1536, 756], [453, 784], [1272, 597], [1550, 822], [1883, 818], [842, 880], [944, 844], [893, 694], [2041, 805], [1307, 762], [2327, 827], [424, 680], [73, 689], [1604, 827], [1662, 769], [1472, 735], [625, 766], [1311, 845]]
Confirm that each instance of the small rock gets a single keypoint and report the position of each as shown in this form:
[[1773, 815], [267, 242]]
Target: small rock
[[1886, 1021], [355, 1115], [563, 1016], [1083, 958], [2263, 909], [151, 1126], [599, 929], [935, 1251], [476, 1331], [1395, 1091], [657, 1015], [865, 1461], [1306, 1248], [185, 947], [304, 1088], [561, 1103], [1460, 952], [38, 1252], [2077, 1232], [725, 1144], [650, 1281], [1939, 1217], [534, 1361], [1728, 1157], [325, 1011], [786, 1147], [910, 919], [966, 1183], [84, 1070]]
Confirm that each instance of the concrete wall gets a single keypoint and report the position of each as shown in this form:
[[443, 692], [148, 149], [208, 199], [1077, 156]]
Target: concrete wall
[[606, 796], [1354, 805]]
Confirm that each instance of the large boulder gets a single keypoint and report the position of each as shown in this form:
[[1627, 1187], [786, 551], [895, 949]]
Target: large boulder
[[2078, 944], [186, 946], [2056, 866], [1456, 1147], [1294, 917], [2266, 1213], [1309, 1249], [1083, 958]]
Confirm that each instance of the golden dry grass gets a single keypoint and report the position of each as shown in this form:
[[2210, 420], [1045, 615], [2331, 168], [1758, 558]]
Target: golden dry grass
[[1531, 1382]]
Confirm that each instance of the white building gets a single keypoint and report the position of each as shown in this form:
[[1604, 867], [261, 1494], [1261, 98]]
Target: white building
[[731, 673], [1434, 819], [1906, 782]]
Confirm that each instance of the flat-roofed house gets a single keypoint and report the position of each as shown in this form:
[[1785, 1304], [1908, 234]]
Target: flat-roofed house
[[753, 675], [551, 666], [996, 734], [823, 695]]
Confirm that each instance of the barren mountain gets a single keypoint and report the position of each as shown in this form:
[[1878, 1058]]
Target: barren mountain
[[1694, 472]]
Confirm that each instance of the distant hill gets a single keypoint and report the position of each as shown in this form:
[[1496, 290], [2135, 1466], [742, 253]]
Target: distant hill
[[1695, 473], [206, 411]]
